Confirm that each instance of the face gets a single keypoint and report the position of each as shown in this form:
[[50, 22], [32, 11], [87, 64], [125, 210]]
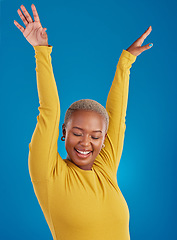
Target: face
[[84, 136]]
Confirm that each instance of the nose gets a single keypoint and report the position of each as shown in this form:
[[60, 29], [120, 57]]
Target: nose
[[85, 140]]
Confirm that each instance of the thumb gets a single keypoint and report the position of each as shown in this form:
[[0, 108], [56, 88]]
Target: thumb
[[44, 30], [43, 33], [146, 47]]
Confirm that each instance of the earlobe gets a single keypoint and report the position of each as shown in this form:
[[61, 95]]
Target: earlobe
[[63, 129], [105, 137], [63, 132]]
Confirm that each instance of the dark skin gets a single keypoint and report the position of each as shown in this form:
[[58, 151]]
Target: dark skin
[[86, 130], [89, 121]]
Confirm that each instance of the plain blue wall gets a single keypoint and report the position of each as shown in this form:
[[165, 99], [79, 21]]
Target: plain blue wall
[[88, 38]]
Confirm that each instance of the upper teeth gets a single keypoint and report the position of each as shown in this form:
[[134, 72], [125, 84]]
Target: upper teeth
[[83, 152]]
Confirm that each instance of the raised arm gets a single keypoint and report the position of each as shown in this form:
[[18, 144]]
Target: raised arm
[[43, 153], [116, 104]]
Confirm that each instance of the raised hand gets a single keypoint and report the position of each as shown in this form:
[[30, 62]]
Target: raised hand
[[136, 48], [34, 33]]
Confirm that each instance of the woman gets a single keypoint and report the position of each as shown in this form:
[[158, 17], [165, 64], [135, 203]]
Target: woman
[[79, 195]]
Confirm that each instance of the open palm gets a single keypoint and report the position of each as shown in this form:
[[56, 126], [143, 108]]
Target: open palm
[[34, 33]]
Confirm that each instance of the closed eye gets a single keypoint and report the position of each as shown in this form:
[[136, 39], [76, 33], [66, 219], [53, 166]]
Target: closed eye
[[77, 134], [95, 138], [81, 135]]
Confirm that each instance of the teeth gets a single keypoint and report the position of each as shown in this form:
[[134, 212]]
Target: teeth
[[83, 152]]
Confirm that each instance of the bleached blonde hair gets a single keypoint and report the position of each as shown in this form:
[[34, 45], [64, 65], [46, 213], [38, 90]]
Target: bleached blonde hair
[[87, 105]]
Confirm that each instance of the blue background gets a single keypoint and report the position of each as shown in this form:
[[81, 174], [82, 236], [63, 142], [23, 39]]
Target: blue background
[[88, 38]]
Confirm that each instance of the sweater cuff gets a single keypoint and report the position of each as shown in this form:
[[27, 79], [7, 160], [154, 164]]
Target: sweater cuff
[[47, 49], [126, 59]]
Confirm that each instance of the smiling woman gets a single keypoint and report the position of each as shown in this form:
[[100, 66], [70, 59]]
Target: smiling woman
[[84, 133], [79, 195]]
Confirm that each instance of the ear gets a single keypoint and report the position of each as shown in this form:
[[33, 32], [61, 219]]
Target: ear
[[105, 136], [63, 129]]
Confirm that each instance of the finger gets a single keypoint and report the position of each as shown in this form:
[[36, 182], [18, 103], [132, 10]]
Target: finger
[[35, 14], [146, 33], [141, 39], [145, 47], [26, 13], [43, 33], [19, 26], [22, 17]]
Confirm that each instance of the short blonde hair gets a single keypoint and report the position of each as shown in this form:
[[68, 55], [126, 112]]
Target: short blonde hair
[[87, 105]]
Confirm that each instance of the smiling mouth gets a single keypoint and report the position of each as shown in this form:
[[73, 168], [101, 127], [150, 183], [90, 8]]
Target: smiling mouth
[[83, 154]]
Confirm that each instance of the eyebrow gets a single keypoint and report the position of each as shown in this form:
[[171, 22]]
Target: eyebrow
[[92, 131]]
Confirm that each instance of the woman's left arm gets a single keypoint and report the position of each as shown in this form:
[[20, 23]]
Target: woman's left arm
[[116, 104], [136, 48]]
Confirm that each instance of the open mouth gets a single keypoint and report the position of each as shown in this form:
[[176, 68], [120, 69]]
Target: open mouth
[[82, 154]]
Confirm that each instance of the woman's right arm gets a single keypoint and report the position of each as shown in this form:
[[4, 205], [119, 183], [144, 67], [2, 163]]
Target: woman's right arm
[[43, 155]]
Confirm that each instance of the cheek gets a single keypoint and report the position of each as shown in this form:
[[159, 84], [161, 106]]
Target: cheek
[[98, 145], [70, 140]]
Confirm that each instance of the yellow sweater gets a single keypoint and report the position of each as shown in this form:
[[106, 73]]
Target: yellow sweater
[[79, 204]]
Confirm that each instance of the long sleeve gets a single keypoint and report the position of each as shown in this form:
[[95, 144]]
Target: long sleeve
[[116, 107], [43, 155], [78, 204]]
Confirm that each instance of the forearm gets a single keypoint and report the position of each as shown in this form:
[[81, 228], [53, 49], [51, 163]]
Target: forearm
[[47, 89], [117, 98], [116, 107], [43, 146]]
